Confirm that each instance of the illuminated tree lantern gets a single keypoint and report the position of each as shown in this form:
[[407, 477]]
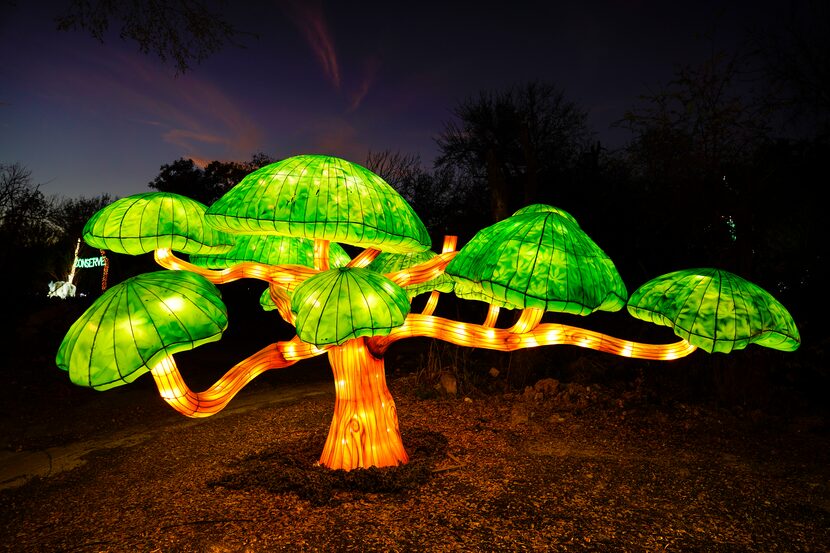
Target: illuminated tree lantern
[[715, 310], [282, 224]]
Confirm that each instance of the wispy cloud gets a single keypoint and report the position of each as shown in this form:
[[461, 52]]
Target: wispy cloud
[[193, 114], [370, 71], [309, 19]]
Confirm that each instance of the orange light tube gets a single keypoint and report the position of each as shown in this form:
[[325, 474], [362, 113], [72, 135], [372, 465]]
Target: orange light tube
[[422, 272], [321, 254], [287, 276], [471, 335], [364, 258], [174, 391], [432, 303], [492, 316]]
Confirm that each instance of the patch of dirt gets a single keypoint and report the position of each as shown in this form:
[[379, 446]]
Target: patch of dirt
[[563, 467]]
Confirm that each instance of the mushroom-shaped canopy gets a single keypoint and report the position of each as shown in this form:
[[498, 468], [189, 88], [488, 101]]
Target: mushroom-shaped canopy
[[270, 250], [145, 222], [468, 290], [135, 324], [340, 304], [393, 262], [545, 208], [322, 197], [542, 260], [265, 301], [715, 310]]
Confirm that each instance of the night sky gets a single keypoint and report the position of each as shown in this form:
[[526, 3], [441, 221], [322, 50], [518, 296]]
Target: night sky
[[87, 118]]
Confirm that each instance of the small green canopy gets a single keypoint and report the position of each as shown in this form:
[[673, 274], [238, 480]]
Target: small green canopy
[[539, 259], [324, 197], [135, 324], [715, 310], [545, 208], [270, 250], [145, 222], [393, 262], [340, 304], [265, 301]]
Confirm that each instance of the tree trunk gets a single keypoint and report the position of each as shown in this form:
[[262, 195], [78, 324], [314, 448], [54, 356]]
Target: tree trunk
[[364, 429]]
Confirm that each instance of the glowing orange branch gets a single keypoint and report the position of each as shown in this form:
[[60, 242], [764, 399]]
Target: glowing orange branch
[[364, 258], [174, 391], [422, 272], [287, 276], [492, 316], [280, 298], [450, 242], [528, 320], [471, 335], [321, 254], [432, 303]]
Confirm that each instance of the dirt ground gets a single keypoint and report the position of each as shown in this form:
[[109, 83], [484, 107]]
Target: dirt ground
[[585, 463], [560, 467]]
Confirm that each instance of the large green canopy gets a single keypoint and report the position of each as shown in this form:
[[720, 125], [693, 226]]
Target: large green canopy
[[539, 259], [135, 324], [323, 197], [545, 208], [145, 222], [394, 262], [715, 310], [339, 304], [270, 250]]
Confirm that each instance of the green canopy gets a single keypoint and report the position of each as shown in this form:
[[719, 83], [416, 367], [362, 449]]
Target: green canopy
[[323, 197], [393, 262], [715, 310], [539, 259], [340, 304], [135, 324], [545, 208], [270, 250], [145, 222], [265, 301]]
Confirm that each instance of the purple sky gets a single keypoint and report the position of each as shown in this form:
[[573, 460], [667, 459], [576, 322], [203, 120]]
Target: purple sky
[[88, 119]]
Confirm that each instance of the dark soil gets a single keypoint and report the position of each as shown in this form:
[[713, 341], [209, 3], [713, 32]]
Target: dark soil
[[585, 462]]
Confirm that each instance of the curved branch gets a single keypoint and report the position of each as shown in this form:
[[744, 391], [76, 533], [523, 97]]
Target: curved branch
[[492, 316], [287, 276], [174, 391], [472, 335], [422, 272], [280, 298], [364, 258], [528, 320], [321, 254], [432, 303]]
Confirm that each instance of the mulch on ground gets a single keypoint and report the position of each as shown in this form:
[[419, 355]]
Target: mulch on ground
[[561, 467]]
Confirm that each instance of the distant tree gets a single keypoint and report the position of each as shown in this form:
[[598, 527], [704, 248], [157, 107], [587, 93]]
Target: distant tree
[[692, 153], [179, 31], [445, 200], [516, 143], [795, 59], [206, 185]]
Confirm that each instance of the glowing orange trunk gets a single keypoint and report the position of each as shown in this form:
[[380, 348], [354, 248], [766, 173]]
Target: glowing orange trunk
[[364, 429]]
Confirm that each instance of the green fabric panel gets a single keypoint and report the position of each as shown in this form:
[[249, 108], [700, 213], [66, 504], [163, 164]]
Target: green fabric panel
[[266, 302], [315, 196], [540, 259], [136, 323], [466, 290], [393, 262], [145, 222], [270, 250], [340, 304], [545, 208], [715, 310]]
